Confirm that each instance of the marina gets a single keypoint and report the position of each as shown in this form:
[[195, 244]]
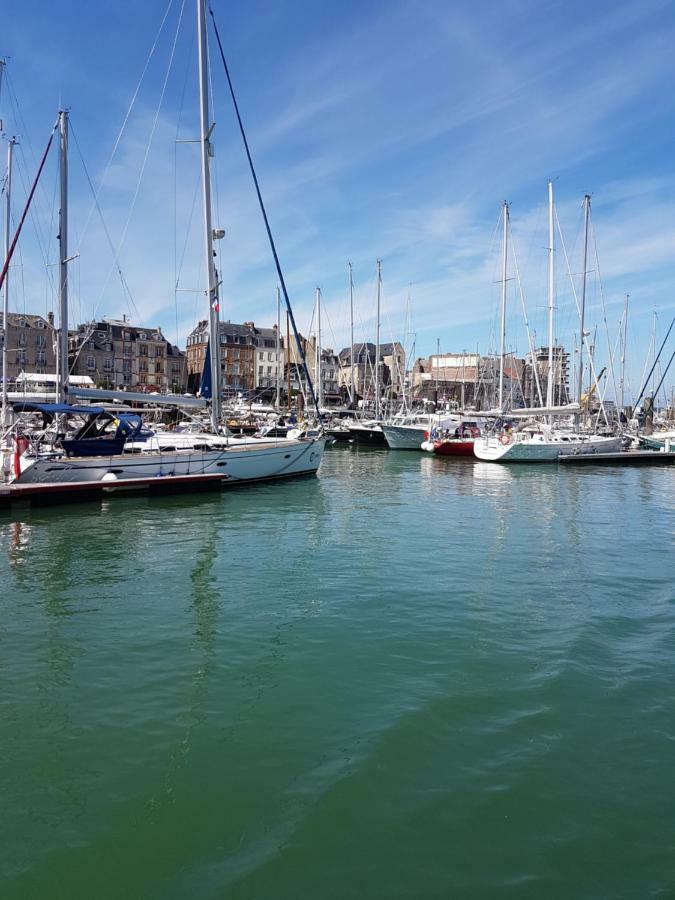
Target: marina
[[337, 451]]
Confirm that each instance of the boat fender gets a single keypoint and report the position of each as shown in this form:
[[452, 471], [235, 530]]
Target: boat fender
[[21, 444], [505, 439]]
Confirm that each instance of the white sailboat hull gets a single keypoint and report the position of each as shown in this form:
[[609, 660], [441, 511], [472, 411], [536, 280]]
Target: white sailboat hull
[[248, 464], [405, 437], [540, 448]]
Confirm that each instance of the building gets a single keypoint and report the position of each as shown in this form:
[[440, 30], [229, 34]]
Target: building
[[391, 370], [468, 380], [269, 363], [240, 349], [120, 356], [561, 376], [30, 344]]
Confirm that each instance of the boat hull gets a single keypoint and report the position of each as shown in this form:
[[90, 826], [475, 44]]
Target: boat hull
[[455, 447], [368, 437], [405, 437], [539, 449], [234, 464]]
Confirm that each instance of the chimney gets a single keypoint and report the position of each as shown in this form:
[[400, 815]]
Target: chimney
[[50, 319]]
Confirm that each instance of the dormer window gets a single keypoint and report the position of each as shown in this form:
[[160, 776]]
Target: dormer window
[[40, 323], [142, 336], [22, 323]]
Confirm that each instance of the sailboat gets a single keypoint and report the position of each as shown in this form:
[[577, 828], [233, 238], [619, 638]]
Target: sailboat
[[218, 455], [537, 441]]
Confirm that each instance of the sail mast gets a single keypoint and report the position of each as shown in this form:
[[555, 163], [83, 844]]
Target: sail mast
[[278, 350], [352, 390], [623, 351], [62, 392], [587, 212], [5, 293], [319, 386], [549, 380], [377, 344], [502, 337], [206, 153]]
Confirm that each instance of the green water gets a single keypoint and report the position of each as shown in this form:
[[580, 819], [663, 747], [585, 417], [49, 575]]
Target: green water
[[408, 678]]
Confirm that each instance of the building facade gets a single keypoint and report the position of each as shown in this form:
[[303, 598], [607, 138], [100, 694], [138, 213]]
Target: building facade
[[30, 344], [120, 356], [538, 362], [390, 372]]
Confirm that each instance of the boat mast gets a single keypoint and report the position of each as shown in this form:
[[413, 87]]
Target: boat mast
[[352, 390], [377, 343], [288, 359], [5, 293], [502, 338], [463, 379], [319, 395], [278, 350], [62, 391], [549, 380], [206, 153], [587, 214], [623, 350]]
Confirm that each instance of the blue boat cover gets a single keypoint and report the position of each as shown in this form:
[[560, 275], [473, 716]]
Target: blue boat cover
[[55, 409]]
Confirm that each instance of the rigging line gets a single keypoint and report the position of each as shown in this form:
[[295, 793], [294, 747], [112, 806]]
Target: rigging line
[[646, 381], [604, 307], [128, 114], [530, 342], [123, 281], [28, 202], [23, 130], [583, 337], [266, 220], [22, 172], [146, 155]]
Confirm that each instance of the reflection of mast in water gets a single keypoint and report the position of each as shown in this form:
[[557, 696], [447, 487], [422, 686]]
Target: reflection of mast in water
[[17, 535]]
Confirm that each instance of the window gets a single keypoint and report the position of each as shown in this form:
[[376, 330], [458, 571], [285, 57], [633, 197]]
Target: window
[[142, 336], [91, 363], [126, 379], [142, 379], [127, 350], [39, 323], [159, 352], [142, 365], [41, 359], [143, 349], [107, 364], [269, 370], [22, 323], [108, 347], [21, 357], [261, 369], [159, 368], [21, 339], [235, 369], [261, 356], [40, 340], [223, 338], [126, 366]]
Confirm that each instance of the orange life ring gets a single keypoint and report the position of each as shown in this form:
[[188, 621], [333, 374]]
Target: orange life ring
[[505, 439]]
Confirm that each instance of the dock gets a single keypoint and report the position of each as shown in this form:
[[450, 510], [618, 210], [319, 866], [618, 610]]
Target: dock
[[621, 458], [43, 494]]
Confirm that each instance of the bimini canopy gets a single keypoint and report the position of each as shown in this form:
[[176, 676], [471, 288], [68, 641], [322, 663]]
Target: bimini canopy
[[57, 409]]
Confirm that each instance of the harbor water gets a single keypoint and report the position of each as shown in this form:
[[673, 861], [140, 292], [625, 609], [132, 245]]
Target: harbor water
[[410, 677]]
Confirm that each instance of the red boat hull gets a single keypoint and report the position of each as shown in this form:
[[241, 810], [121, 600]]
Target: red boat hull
[[454, 447]]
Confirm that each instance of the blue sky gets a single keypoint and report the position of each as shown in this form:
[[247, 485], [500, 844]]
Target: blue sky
[[391, 130]]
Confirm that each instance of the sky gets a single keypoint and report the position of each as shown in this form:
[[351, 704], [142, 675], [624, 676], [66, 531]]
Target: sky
[[380, 130]]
